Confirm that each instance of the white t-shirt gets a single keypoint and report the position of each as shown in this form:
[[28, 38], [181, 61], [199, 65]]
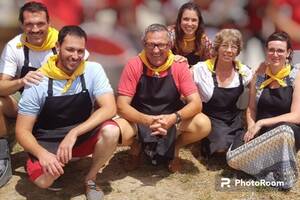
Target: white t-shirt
[[12, 58], [205, 83], [33, 97]]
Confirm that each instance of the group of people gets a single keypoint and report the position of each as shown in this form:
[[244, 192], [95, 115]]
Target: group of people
[[68, 109]]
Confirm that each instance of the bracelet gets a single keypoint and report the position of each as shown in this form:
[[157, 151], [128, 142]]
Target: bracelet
[[178, 118]]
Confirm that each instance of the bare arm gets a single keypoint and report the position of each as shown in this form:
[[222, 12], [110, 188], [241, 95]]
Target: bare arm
[[9, 85], [129, 113], [24, 125], [26, 139], [193, 106], [292, 117], [251, 110]]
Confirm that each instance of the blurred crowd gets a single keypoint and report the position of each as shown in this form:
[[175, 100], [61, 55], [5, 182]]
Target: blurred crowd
[[115, 26]]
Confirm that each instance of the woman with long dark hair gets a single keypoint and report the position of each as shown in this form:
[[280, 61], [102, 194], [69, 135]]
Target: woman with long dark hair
[[189, 39]]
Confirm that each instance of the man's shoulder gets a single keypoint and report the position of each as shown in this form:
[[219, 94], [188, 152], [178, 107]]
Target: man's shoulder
[[92, 64], [180, 66], [94, 71], [134, 61], [134, 65], [13, 43], [36, 88]]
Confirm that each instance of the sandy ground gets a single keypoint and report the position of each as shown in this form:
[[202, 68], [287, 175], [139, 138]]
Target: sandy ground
[[196, 182]]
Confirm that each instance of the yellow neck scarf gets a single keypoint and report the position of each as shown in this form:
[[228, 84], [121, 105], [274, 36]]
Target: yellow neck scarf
[[157, 70], [187, 41], [187, 45], [48, 44], [210, 63], [50, 70], [279, 77]]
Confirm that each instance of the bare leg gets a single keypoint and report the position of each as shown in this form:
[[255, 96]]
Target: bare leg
[[8, 108], [45, 180], [104, 149], [191, 130], [128, 132]]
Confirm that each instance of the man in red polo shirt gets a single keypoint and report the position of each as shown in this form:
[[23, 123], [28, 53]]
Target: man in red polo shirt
[[150, 103]]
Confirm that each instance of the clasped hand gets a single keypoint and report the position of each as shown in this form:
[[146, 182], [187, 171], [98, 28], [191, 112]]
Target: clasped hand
[[161, 123]]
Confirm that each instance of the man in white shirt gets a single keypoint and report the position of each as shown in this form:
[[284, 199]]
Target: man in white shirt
[[20, 58]]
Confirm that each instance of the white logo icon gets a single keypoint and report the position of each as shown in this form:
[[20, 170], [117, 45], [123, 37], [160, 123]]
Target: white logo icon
[[225, 182]]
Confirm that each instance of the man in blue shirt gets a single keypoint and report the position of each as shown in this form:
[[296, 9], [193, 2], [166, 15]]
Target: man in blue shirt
[[56, 120]]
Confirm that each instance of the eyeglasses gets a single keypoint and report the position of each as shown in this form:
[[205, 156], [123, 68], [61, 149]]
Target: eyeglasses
[[227, 46], [161, 46], [278, 51]]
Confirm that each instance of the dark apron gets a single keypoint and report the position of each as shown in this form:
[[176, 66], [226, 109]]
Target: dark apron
[[60, 114], [156, 96], [272, 103], [275, 102], [25, 68], [193, 58], [225, 117]]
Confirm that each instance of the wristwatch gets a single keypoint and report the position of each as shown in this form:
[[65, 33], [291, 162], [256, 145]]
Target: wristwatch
[[178, 118]]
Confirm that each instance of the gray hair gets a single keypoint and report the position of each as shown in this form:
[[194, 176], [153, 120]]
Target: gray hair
[[156, 28]]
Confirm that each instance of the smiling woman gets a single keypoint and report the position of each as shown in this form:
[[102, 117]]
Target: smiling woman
[[221, 81], [189, 39], [268, 148]]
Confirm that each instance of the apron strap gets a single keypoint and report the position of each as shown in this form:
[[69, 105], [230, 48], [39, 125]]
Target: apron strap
[[50, 87], [26, 56], [54, 51], [82, 80], [216, 82], [241, 79], [144, 69], [214, 76]]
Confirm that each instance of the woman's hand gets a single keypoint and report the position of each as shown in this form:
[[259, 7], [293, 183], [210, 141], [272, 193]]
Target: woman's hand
[[180, 59], [252, 131]]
